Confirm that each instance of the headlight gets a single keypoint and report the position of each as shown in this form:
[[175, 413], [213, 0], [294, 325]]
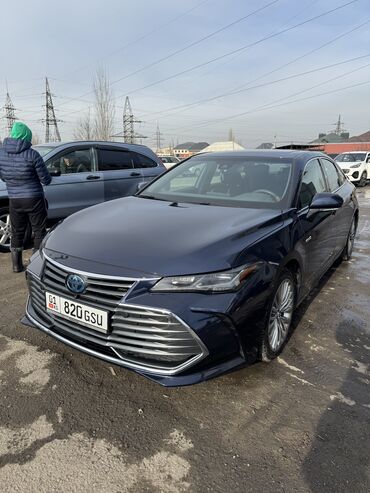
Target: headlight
[[228, 280], [356, 165]]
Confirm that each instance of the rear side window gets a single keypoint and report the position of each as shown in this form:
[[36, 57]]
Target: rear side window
[[335, 180], [144, 161], [313, 182], [114, 159]]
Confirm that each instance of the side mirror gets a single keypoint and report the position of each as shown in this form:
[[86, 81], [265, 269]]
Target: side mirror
[[54, 172], [326, 201]]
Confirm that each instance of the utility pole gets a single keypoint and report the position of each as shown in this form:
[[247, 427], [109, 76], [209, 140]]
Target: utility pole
[[158, 139], [339, 126], [50, 120], [9, 112], [129, 135]]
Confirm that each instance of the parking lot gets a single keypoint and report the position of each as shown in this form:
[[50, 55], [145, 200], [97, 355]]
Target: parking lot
[[72, 423]]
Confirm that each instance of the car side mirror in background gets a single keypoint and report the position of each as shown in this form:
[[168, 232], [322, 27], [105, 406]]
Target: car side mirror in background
[[54, 172], [326, 201]]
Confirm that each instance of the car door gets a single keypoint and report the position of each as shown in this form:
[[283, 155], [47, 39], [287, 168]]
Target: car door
[[75, 182], [117, 166], [342, 217], [148, 168], [314, 245]]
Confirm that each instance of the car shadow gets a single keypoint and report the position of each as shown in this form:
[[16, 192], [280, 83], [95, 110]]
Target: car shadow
[[339, 458]]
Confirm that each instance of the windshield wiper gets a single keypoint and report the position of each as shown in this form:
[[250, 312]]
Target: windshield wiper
[[152, 197]]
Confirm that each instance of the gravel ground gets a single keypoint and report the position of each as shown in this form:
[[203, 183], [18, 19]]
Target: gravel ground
[[300, 424]]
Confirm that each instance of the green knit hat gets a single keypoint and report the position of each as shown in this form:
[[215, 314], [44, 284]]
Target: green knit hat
[[21, 131]]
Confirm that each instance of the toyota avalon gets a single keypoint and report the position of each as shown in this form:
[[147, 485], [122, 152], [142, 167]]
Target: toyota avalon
[[201, 271]]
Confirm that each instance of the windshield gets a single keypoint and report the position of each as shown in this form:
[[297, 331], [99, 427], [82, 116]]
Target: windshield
[[240, 181], [350, 157], [43, 150]]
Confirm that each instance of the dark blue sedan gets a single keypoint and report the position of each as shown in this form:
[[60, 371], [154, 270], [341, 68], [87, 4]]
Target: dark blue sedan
[[201, 271]]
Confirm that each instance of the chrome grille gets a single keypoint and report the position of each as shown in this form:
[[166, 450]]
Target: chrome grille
[[101, 293], [154, 334], [140, 337]]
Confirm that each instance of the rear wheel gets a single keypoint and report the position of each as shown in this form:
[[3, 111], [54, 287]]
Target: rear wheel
[[363, 179], [278, 318]]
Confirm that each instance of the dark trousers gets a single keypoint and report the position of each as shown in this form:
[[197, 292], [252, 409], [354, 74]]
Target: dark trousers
[[25, 211]]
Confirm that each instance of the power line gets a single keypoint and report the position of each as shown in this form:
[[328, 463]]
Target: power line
[[261, 40], [279, 102], [236, 90], [242, 48], [195, 43], [144, 36]]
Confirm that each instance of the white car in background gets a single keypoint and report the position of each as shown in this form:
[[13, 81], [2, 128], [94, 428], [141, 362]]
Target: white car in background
[[169, 161], [356, 166]]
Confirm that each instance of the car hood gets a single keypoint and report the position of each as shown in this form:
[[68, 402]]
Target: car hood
[[348, 164], [156, 238]]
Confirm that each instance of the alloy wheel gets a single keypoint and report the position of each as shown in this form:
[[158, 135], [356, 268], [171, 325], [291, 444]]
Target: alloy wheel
[[281, 315], [5, 230]]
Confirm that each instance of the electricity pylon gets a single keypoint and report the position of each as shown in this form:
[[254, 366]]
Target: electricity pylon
[[9, 112], [50, 120]]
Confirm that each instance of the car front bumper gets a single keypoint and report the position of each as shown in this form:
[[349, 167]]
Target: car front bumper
[[219, 341], [353, 175]]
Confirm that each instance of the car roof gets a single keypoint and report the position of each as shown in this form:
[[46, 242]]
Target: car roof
[[56, 146], [296, 155]]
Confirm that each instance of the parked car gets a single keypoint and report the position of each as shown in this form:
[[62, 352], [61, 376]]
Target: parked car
[[169, 161], [85, 174], [197, 274], [356, 166]]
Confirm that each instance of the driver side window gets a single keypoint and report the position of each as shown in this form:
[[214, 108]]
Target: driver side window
[[313, 182], [77, 161]]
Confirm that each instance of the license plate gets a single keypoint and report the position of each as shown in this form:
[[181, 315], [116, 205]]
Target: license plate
[[85, 315]]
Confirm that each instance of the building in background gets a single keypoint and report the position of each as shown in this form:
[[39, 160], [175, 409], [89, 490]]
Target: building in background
[[229, 145], [188, 149]]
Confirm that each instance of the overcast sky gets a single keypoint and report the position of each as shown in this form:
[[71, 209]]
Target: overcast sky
[[68, 40]]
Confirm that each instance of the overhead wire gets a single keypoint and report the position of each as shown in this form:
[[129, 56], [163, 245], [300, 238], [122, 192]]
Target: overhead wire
[[177, 109], [191, 45]]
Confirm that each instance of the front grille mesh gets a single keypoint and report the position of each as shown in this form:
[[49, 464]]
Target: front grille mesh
[[148, 337]]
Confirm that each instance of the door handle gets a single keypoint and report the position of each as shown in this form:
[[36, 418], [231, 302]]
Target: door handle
[[93, 177], [134, 173]]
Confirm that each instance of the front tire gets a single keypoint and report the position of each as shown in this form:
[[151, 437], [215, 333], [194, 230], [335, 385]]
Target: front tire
[[348, 249], [278, 319]]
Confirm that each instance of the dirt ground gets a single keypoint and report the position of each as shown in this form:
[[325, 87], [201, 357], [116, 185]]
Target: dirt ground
[[72, 423]]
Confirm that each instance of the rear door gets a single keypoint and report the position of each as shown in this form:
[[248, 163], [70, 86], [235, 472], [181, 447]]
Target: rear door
[[120, 176], [315, 245], [79, 184], [342, 217], [147, 167]]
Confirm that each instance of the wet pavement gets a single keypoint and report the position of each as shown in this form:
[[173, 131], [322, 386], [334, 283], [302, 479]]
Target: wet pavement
[[300, 424]]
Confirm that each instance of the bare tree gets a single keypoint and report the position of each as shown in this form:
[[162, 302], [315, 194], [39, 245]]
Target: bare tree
[[85, 128], [103, 106]]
